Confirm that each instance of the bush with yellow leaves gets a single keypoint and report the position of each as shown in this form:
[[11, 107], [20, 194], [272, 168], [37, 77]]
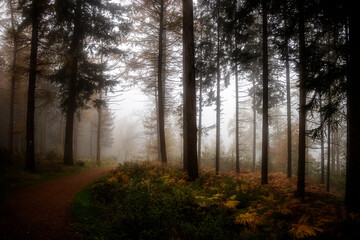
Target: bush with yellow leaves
[[148, 200]]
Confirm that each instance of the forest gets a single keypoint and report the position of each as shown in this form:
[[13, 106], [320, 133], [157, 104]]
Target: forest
[[249, 127]]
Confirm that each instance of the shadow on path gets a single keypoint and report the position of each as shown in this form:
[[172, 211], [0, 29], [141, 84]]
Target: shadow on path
[[41, 211]]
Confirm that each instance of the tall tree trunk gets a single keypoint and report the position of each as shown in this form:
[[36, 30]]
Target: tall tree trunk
[[61, 133], [254, 128], [288, 110], [322, 171], [337, 146], [300, 191], [69, 131], [91, 141], [237, 155], [76, 133], [352, 193], [98, 136], [12, 86], [333, 152], [265, 127], [44, 133], [200, 119], [200, 101], [161, 109], [218, 98], [157, 125], [328, 158], [190, 158], [30, 122], [73, 65]]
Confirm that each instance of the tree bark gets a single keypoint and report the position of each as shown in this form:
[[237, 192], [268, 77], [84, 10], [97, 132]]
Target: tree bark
[[265, 127], [98, 136], [190, 156], [218, 97], [200, 120], [300, 191], [12, 87], [237, 155], [328, 158], [30, 122], [73, 67], [254, 128], [161, 112], [337, 146], [322, 155], [333, 152], [91, 141], [200, 102], [288, 105], [43, 148], [352, 193], [76, 133]]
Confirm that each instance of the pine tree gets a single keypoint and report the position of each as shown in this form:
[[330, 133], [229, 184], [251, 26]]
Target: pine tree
[[265, 130], [189, 117], [154, 63], [79, 77], [36, 10], [13, 80], [300, 191], [352, 193]]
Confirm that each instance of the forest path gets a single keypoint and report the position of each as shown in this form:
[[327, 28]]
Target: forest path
[[42, 211]]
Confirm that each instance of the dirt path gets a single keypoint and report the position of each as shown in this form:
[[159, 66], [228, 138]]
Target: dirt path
[[42, 211]]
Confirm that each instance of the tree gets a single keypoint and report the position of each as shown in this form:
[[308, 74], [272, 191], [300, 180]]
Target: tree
[[237, 155], [205, 64], [300, 191], [13, 79], [322, 155], [155, 62], [79, 77], [36, 11], [72, 65], [265, 130], [285, 11], [352, 194], [215, 58], [328, 156], [189, 116], [218, 78], [254, 127], [288, 106], [99, 123], [160, 86]]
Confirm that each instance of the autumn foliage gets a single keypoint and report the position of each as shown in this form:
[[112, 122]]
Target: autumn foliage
[[148, 200]]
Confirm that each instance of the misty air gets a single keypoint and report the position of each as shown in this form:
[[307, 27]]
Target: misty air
[[169, 119]]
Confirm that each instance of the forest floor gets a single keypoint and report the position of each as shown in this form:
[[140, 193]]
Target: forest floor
[[41, 211], [147, 200]]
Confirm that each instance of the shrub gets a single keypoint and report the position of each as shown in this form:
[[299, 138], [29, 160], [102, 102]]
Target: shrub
[[145, 200]]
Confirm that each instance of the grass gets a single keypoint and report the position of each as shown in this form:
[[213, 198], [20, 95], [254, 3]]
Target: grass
[[86, 209], [147, 200], [15, 177]]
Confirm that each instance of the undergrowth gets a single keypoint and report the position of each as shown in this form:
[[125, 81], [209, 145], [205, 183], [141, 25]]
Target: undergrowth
[[152, 201]]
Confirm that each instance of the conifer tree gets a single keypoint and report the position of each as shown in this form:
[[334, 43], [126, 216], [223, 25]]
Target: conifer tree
[[189, 116], [300, 191], [265, 130], [101, 21], [352, 193], [35, 9]]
